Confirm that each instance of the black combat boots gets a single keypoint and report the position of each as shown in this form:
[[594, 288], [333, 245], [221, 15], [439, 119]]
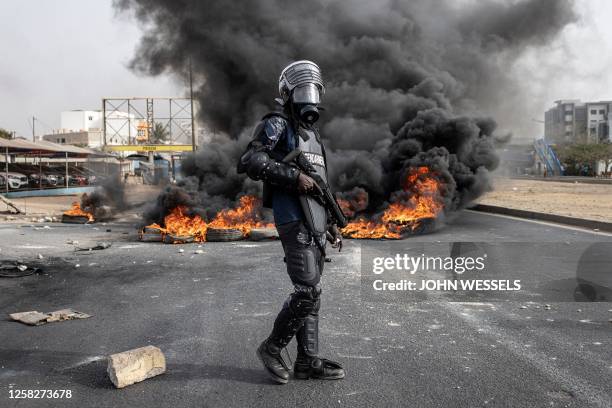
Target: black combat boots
[[317, 368], [270, 356], [308, 364]]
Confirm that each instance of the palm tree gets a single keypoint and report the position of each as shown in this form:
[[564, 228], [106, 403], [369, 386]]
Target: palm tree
[[160, 133]]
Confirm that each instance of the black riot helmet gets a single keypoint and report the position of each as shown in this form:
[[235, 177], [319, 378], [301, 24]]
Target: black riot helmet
[[301, 85]]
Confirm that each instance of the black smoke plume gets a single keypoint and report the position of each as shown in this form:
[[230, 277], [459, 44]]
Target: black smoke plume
[[107, 198], [407, 82]]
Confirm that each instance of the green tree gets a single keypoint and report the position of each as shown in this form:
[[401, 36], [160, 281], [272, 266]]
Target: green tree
[[5, 134], [160, 134], [581, 159]]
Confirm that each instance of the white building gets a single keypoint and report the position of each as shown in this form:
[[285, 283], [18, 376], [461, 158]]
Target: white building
[[80, 121], [85, 128]]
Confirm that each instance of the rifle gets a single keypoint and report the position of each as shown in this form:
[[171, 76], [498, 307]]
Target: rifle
[[322, 192]]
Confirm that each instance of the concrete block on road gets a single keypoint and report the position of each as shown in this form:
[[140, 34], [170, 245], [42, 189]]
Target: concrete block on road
[[135, 365]]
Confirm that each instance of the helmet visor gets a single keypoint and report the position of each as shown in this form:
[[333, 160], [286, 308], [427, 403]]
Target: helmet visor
[[307, 94]]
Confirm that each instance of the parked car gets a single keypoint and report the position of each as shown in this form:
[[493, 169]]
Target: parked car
[[34, 180], [52, 178], [77, 180], [15, 180], [48, 180]]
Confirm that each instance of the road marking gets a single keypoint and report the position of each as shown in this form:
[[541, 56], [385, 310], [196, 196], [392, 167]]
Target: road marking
[[550, 224], [353, 356]]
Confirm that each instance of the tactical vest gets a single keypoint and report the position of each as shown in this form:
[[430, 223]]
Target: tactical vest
[[309, 143]]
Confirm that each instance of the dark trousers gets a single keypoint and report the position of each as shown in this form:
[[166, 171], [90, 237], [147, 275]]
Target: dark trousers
[[300, 313]]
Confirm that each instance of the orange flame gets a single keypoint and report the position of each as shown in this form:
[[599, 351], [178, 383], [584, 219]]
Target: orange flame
[[77, 211], [244, 217], [423, 201]]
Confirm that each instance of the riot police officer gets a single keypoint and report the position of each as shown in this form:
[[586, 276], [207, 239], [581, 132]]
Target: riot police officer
[[301, 221]]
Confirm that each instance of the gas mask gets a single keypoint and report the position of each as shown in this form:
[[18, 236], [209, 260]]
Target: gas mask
[[301, 85], [305, 99]]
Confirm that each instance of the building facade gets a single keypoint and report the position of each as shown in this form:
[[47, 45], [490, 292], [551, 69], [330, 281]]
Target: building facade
[[85, 128], [86, 138], [573, 121], [80, 121]]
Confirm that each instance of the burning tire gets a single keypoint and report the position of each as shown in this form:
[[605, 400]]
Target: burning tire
[[75, 219], [261, 234], [179, 239], [223, 235], [148, 234], [425, 225]]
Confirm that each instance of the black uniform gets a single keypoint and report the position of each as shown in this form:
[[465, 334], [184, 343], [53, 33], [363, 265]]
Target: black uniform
[[300, 219], [301, 222]]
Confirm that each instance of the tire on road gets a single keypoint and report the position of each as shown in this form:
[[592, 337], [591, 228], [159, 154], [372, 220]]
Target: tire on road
[[223, 235], [261, 234]]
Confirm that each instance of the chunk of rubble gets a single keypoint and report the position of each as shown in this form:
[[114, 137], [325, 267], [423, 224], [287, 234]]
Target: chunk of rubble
[[135, 365], [36, 318], [15, 269], [95, 247]]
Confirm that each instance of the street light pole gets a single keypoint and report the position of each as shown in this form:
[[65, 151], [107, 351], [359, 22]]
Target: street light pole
[[193, 135]]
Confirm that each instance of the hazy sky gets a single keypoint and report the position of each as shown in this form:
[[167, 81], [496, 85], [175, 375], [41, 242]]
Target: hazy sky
[[68, 54]]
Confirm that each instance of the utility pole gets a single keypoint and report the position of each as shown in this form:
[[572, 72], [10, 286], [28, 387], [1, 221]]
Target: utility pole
[[193, 135], [33, 129]]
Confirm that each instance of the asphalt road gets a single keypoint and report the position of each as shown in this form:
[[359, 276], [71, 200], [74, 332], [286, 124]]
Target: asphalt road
[[208, 312]]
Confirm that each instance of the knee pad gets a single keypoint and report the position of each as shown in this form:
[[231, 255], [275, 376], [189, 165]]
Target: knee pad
[[302, 265], [305, 300]]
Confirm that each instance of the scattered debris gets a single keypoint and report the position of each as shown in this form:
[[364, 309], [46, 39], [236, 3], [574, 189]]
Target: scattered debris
[[135, 365], [98, 246], [35, 318], [15, 269]]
